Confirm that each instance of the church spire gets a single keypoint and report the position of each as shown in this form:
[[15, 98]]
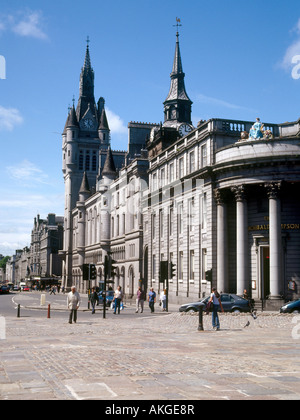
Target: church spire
[[86, 86], [177, 105]]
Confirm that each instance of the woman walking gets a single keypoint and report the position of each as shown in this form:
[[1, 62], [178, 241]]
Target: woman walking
[[215, 301]]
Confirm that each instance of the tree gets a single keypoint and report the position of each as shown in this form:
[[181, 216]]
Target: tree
[[3, 263]]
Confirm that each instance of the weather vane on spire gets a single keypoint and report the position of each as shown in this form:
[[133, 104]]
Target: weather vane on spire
[[88, 40], [178, 24]]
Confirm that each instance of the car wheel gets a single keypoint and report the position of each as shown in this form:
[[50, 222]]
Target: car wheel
[[191, 310], [236, 311], [296, 311]]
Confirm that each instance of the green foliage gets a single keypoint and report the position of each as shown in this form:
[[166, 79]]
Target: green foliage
[[3, 262]]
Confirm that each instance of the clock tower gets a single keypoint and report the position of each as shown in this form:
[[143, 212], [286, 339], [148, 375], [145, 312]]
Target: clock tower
[[178, 106], [86, 139], [177, 111]]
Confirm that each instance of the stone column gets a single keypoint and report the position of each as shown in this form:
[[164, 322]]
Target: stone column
[[273, 189], [242, 264], [222, 242]]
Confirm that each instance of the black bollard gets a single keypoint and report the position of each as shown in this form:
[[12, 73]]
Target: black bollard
[[18, 312], [200, 326]]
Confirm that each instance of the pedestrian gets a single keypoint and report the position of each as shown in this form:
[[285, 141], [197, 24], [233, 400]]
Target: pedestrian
[[73, 302], [245, 294], [163, 299], [152, 299], [140, 298], [52, 290], [118, 299], [215, 301], [94, 299]]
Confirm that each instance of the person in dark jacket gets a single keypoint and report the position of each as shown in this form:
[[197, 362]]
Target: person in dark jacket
[[94, 299]]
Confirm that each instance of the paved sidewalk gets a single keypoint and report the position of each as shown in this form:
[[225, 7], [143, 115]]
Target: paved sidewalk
[[151, 358]]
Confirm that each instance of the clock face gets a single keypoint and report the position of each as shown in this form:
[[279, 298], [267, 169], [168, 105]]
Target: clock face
[[88, 123], [184, 129]]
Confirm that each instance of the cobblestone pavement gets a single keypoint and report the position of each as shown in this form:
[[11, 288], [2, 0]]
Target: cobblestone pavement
[[161, 357]]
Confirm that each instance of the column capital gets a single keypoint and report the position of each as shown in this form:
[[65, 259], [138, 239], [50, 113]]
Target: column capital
[[273, 189], [239, 192], [220, 196]]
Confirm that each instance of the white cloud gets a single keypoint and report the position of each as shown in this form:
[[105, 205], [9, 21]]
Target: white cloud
[[218, 102], [292, 50], [30, 26], [116, 124], [25, 23], [27, 172], [9, 118], [17, 213]]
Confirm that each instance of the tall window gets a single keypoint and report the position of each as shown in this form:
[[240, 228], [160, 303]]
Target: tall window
[[181, 167], [204, 211], [123, 227], [192, 162], [118, 226], [112, 227], [192, 265], [94, 162], [172, 174], [161, 223], [171, 220], [153, 226], [191, 214], [154, 182], [180, 218], [203, 156], [153, 266], [162, 177], [180, 268], [204, 262], [87, 160], [81, 160]]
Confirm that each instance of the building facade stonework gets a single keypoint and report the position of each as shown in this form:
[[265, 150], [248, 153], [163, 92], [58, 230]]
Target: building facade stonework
[[224, 208]]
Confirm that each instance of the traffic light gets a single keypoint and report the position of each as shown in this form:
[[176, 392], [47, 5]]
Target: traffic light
[[113, 268], [172, 270], [85, 271], [106, 267], [208, 275], [163, 271], [93, 272]]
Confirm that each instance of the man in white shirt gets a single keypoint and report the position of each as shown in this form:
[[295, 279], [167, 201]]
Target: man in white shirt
[[118, 299], [73, 302]]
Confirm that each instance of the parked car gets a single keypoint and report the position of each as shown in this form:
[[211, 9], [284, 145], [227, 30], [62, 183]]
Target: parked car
[[291, 307], [17, 288], [109, 297], [26, 289], [230, 303], [4, 289]]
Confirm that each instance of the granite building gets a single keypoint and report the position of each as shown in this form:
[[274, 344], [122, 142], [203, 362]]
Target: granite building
[[222, 205]]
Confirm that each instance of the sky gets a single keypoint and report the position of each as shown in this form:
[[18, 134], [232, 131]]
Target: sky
[[241, 61]]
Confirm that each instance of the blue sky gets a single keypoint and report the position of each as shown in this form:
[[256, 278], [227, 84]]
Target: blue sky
[[237, 57]]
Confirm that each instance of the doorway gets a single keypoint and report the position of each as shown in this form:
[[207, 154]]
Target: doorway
[[264, 271]]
